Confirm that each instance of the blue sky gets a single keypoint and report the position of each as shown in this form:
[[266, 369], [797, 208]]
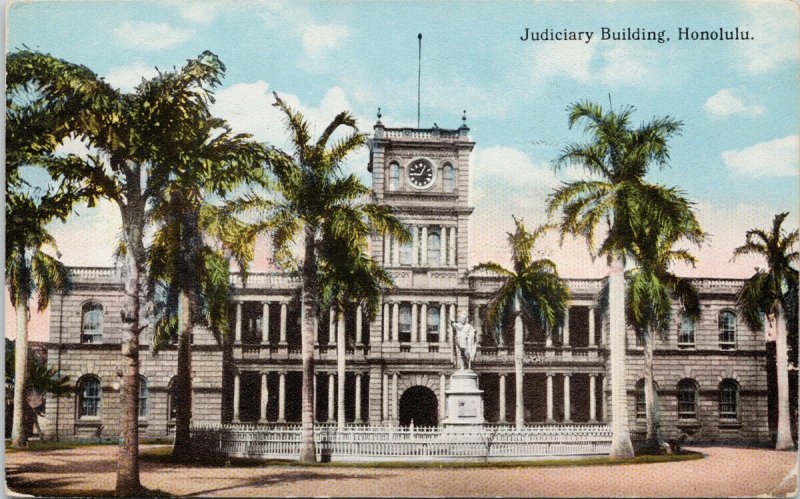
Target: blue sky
[[737, 157]]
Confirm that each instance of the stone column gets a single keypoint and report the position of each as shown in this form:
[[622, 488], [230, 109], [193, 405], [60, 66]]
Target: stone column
[[238, 322], [236, 397], [442, 246], [396, 322], [386, 249], [386, 322], [340, 344], [567, 416], [451, 317], [423, 324], [284, 306], [331, 326], [414, 331], [424, 246], [591, 327], [548, 338], [502, 390], [565, 330], [359, 325], [315, 398], [358, 399], [451, 253], [385, 395], [442, 324], [592, 398], [282, 397], [394, 398], [264, 397], [442, 398], [265, 323], [549, 398], [331, 397], [414, 246]]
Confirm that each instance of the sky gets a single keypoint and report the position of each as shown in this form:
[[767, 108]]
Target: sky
[[736, 158]]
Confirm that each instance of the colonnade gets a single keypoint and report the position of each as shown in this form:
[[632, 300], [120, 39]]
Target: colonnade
[[419, 320], [519, 409], [265, 318]]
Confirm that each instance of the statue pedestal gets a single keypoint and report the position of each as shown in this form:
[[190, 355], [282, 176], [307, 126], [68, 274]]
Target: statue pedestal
[[464, 401]]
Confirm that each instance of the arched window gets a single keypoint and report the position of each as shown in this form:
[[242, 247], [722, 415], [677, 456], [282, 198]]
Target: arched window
[[433, 324], [172, 408], [434, 249], [394, 176], [449, 178], [686, 332], [91, 322], [727, 329], [142, 397], [404, 323], [728, 399], [89, 397], [641, 407], [687, 399]]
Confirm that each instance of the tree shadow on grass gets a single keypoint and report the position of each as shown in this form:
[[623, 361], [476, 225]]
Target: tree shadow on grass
[[58, 487], [289, 476]]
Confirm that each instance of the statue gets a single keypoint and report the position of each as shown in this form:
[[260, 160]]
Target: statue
[[465, 345]]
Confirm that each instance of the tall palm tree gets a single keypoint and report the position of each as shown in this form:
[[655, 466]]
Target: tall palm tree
[[771, 293], [651, 290], [29, 271], [532, 292], [135, 136], [618, 156], [330, 217], [210, 161]]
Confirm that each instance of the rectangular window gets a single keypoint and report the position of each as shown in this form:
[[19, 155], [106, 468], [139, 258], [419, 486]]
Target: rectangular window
[[686, 332], [404, 324], [405, 254], [433, 324], [727, 330]]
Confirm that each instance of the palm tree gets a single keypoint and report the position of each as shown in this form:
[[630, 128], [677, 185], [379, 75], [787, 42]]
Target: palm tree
[[771, 293], [135, 136], [651, 289], [29, 270], [331, 217], [211, 160], [619, 156], [532, 293]]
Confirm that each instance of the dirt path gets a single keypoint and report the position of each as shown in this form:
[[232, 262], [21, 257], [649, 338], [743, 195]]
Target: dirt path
[[724, 472]]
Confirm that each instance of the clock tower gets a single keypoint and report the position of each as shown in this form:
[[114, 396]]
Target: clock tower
[[424, 175]]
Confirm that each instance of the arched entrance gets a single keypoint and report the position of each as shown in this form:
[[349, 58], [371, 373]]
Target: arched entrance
[[419, 404]]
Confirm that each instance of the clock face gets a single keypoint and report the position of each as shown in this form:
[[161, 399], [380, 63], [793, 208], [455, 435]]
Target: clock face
[[420, 174]]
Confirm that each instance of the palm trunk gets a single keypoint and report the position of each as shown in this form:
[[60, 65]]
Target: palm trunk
[[519, 352], [182, 449], [621, 446], [128, 483], [653, 439], [340, 370], [19, 438], [784, 438], [309, 309]]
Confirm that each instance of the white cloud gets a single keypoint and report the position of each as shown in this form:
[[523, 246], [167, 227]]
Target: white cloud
[[198, 11], [564, 58], [773, 27], [319, 39], [726, 103], [775, 158], [126, 78], [150, 35], [624, 65]]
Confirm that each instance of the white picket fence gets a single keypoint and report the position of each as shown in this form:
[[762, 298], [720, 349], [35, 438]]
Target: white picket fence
[[394, 443]]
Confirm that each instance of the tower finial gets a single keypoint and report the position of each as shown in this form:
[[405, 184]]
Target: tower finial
[[379, 114]]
